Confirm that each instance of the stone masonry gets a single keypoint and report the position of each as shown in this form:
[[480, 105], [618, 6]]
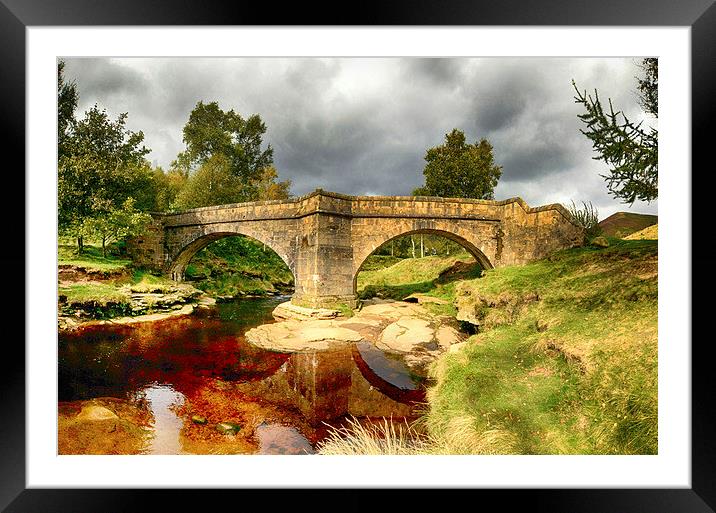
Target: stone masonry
[[325, 237]]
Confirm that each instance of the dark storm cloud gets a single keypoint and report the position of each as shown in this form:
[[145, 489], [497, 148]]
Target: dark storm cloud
[[362, 126], [435, 70], [105, 79]]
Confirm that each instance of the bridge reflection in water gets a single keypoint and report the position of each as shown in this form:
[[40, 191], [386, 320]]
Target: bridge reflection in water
[[180, 368]]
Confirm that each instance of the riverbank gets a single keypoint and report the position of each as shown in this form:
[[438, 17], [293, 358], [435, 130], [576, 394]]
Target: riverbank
[[564, 361], [96, 289]]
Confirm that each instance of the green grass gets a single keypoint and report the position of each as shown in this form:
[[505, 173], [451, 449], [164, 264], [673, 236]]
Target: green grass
[[99, 300], [91, 259], [566, 358], [237, 265], [411, 275]]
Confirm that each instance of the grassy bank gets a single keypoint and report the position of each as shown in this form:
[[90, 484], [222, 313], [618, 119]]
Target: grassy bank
[[392, 278], [231, 267], [237, 266], [96, 287], [565, 361], [91, 259]]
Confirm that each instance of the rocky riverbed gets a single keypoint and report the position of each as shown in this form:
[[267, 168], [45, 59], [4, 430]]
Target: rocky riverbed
[[122, 304], [403, 328]]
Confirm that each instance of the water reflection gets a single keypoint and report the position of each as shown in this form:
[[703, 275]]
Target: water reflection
[[162, 401], [203, 368]]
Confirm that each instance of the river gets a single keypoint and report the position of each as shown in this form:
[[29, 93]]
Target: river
[[193, 385]]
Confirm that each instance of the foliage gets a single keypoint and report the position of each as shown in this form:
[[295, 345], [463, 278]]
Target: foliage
[[212, 184], [460, 170], [211, 131], [418, 244], [102, 167], [117, 224], [629, 150], [67, 98], [167, 186], [648, 86], [223, 162], [586, 217], [267, 188], [238, 265]]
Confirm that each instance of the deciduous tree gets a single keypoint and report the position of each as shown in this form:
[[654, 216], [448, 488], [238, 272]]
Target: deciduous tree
[[116, 224], [103, 165], [457, 169], [211, 131]]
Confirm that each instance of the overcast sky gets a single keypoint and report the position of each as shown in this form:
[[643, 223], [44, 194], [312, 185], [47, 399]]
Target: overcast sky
[[362, 125]]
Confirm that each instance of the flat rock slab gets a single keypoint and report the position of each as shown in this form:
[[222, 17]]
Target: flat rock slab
[[288, 311], [406, 334], [296, 336], [393, 326]]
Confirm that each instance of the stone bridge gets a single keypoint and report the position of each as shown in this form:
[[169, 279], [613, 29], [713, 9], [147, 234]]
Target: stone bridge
[[325, 237]]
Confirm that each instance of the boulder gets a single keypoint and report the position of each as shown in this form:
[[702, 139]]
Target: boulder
[[600, 242], [228, 428], [93, 412], [198, 419], [446, 336], [407, 334]]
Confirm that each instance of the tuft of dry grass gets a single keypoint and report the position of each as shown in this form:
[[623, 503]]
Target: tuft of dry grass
[[386, 437]]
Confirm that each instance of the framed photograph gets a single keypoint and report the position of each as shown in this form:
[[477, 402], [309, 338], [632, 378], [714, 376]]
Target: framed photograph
[[242, 138]]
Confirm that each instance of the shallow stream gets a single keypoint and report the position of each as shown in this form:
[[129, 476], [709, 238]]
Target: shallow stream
[[189, 375]]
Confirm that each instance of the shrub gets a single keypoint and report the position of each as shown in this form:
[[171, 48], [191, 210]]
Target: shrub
[[586, 217]]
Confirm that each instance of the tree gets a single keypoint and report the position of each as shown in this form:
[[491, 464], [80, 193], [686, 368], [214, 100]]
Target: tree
[[103, 165], [67, 98], [648, 86], [629, 150], [212, 184], [268, 188], [116, 224], [167, 186], [211, 131], [460, 170]]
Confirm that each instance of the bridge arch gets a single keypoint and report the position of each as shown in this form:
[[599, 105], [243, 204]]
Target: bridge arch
[[471, 248], [180, 262]]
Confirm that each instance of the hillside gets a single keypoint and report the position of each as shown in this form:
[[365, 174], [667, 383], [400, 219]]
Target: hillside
[[622, 224], [565, 358], [650, 233]]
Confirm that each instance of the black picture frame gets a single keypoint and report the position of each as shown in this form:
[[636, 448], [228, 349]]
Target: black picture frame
[[17, 15]]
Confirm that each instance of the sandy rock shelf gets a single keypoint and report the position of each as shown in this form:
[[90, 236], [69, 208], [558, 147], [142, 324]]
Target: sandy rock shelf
[[396, 327]]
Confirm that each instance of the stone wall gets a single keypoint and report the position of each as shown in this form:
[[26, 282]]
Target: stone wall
[[324, 237]]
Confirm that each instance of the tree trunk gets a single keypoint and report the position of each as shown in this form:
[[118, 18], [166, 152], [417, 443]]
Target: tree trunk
[[104, 248], [412, 243], [391, 248], [422, 247], [80, 245]]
